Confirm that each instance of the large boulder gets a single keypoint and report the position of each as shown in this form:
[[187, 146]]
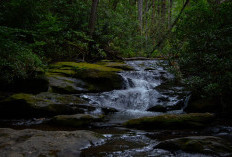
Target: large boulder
[[198, 144], [71, 77], [45, 143], [175, 121], [77, 120], [44, 104], [65, 85]]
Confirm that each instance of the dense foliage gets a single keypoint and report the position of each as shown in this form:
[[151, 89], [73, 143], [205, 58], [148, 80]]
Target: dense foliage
[[36, 32], [203, 41], [41, 31]]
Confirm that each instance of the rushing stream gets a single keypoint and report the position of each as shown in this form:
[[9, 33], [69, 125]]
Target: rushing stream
[[148, 90], [139, 93]]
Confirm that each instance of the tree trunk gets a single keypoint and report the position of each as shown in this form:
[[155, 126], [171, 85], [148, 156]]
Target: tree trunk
[[159, 7], [93, 16], [140, 14], [163, 11], [153, 19], [153, 12], [170, 14], [115, 3]]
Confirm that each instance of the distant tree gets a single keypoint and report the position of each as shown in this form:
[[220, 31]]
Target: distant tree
[[140, 14], [170, 13], [115, 3], [93, 16], [163, 11]]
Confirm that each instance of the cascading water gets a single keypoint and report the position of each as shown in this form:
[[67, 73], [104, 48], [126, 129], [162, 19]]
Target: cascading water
[[139, 93]]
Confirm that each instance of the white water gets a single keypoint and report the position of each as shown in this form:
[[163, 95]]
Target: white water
[[139, 93]]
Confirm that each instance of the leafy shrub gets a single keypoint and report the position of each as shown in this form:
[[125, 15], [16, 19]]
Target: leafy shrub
[[16, 60], [203, 38]]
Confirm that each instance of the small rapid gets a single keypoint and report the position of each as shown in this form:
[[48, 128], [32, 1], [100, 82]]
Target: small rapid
[[139, 92]]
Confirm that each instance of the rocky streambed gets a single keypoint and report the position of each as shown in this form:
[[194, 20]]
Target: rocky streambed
[[132, 108]]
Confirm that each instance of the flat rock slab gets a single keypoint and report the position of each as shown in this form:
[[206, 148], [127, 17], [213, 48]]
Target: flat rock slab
[[172, 121], [198, 144], [34, 143]]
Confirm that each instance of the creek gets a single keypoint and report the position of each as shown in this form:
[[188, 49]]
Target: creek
[[148, 90]]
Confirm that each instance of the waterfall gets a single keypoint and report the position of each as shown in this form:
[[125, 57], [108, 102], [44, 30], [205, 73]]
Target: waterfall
[[138, 94]]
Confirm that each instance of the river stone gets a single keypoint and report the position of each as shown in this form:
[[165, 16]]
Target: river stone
[[71, 77], [198, 144], [174, 121], [44, 104], [34, 143], [77, 120]]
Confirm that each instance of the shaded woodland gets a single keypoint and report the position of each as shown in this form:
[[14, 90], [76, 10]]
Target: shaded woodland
[[194, 36]]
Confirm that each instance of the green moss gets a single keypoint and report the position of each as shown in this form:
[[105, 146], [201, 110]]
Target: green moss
[[117, 65], [64, 72], [84, 66], [171, 121], [44, 104], [95, 77], [28, 99], [105, 60], [22, 96]]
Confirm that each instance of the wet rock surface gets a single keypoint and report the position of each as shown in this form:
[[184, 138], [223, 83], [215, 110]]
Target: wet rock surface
[[44, 143], [191, 120], [198, 144]]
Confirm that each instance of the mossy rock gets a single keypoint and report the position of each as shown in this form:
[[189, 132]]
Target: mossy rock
[[99, 81], [117, 65], [71, 77], [62, 72], [83, 65], [66, 85], [27, 105], [198, 144], [175, 121], [77, 120]]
